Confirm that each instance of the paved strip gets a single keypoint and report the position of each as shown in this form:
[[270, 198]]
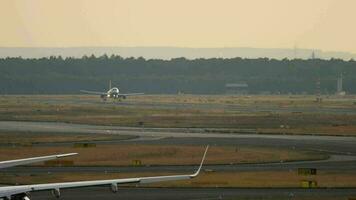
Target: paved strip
[[104, 193], [82, 128]]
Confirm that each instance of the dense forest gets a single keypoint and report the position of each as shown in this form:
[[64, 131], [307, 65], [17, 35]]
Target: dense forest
[[57, 75]]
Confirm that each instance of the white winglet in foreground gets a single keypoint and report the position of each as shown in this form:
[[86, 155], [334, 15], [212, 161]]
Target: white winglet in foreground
[[21, 192]]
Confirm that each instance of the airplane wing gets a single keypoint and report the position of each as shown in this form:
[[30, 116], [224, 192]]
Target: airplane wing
[[22, 191], [12, 163], [93, 92], [131, 94]]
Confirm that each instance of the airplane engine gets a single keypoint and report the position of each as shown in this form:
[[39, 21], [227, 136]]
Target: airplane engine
[[56, 193], [24, 196], [114, 188]]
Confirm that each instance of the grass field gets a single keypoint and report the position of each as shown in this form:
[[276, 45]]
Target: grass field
[[114, 155], [278, 115]]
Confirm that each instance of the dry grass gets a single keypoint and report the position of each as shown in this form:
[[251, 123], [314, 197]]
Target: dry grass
[[280, 100], [89, 110], [108, 155]]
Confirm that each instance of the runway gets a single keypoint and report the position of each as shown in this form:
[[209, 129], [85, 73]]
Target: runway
[[198, 194], [329, 144], [60, 127]]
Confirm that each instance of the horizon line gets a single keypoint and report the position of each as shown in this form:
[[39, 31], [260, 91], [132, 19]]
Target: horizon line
[[178, 47]]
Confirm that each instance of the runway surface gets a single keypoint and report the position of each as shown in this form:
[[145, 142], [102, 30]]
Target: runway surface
[[60, 127], [327, 144], [197, 194]]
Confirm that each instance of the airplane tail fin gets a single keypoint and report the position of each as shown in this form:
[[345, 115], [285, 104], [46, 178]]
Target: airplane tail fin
[[109, 84]]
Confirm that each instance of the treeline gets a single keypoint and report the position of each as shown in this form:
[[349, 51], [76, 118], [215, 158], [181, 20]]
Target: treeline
[[57, 75]]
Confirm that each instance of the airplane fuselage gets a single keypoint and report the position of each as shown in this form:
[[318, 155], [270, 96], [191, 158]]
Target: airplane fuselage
[[113, 93]]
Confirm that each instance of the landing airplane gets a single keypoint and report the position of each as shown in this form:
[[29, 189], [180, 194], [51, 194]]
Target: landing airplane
[[22, 192], [113, 92]]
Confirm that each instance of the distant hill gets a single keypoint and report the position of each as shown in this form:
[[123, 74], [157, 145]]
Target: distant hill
[[173, 52]]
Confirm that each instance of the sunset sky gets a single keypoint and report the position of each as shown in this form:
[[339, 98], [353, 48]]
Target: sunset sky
[[315, 24]]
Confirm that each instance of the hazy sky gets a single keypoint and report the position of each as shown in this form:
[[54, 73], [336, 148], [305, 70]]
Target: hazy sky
[[315, 24]]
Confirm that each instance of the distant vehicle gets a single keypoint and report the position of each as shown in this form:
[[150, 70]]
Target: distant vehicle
[[113, 92], [22, 192]]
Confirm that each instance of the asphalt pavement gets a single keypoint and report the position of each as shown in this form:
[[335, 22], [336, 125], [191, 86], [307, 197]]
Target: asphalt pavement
[[329, 144], [104, 193]]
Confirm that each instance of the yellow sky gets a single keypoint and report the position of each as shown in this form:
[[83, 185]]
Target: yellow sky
[[316, 24]]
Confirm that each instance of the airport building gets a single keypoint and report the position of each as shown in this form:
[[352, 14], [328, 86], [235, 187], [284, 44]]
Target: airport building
[[236, 88]]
